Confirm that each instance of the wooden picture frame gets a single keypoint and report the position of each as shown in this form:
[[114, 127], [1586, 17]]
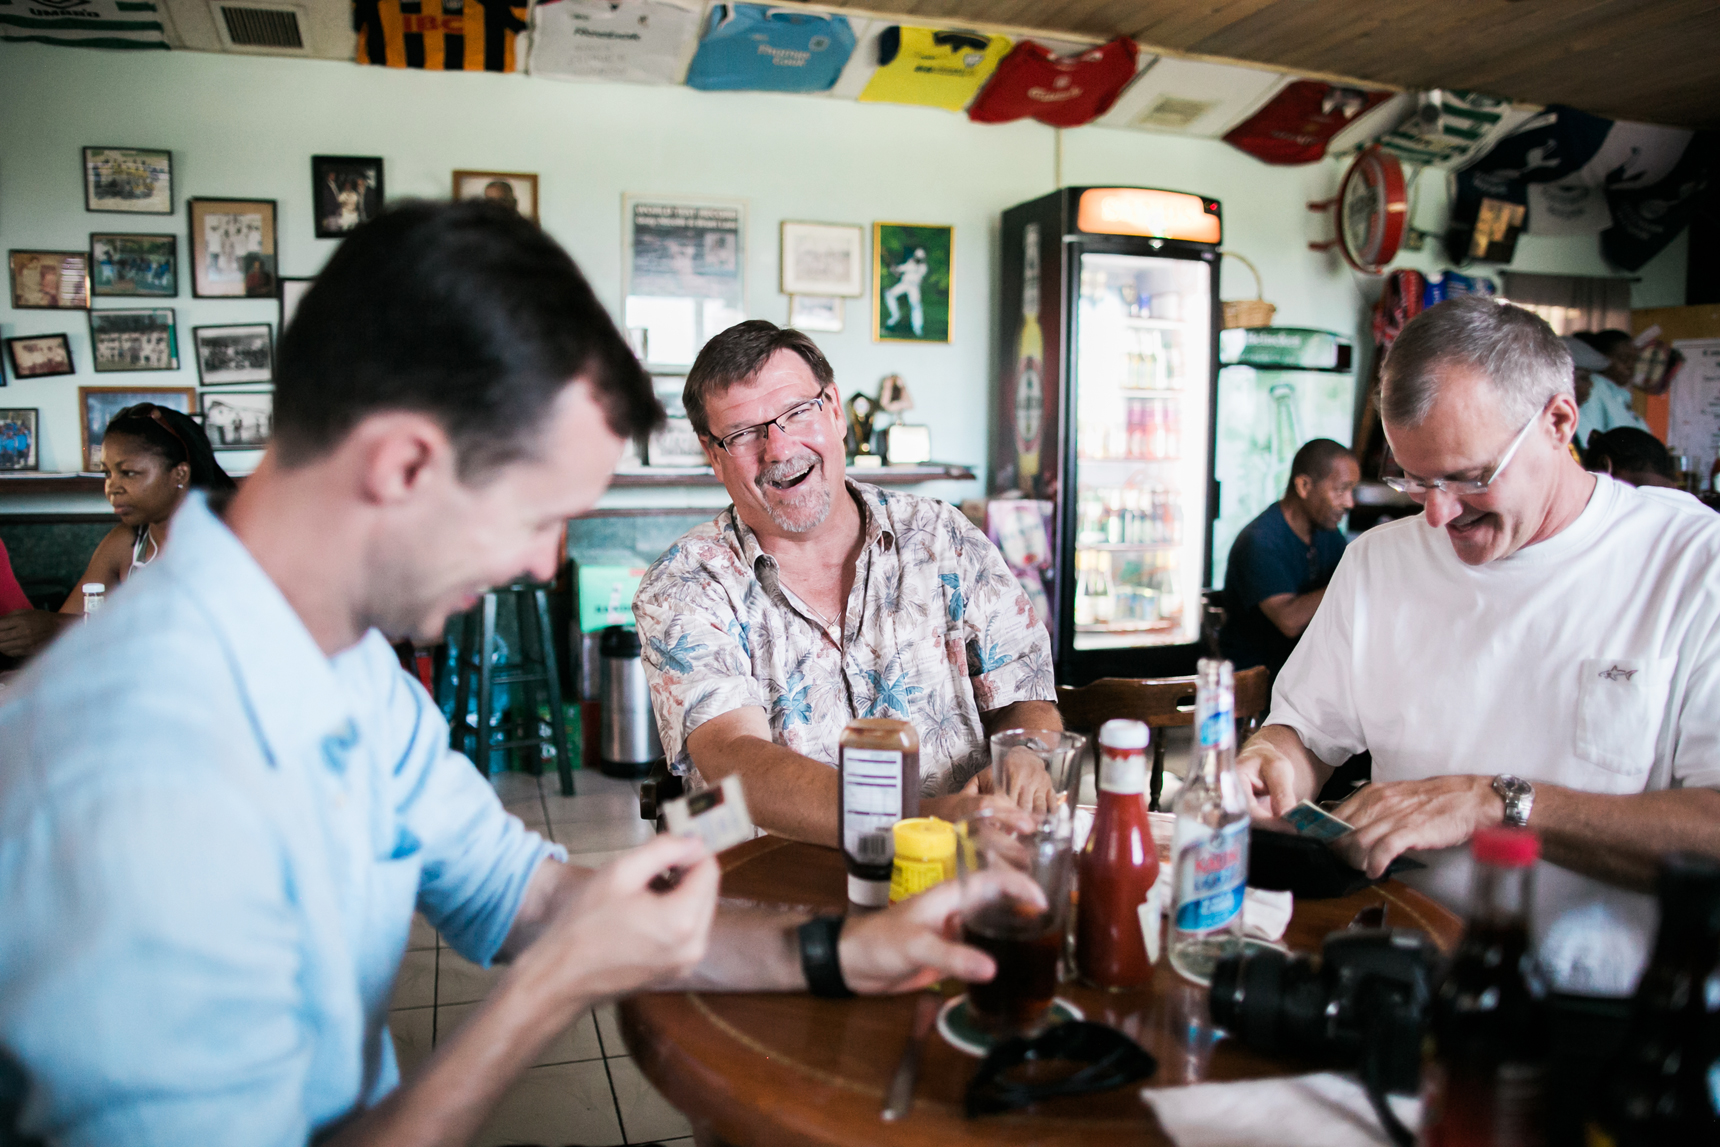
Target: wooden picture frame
[[238, 354], [133, 266], [40, 356], [347, 191], [137, 339], [128, 180], [238, 419], [233, 246], [19, 448], [913, 282], [49, 280], [522, 189], [98, 404]]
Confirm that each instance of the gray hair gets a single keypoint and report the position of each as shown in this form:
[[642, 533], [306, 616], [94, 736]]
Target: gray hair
[[1517, 352]]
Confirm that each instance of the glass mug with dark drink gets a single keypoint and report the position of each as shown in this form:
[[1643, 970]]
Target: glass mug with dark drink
[[1024, 939]]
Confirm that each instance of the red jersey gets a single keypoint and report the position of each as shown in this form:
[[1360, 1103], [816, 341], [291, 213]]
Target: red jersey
[[1063, 91]]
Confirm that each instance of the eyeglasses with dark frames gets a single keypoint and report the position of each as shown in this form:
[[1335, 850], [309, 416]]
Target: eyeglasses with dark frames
[[749, 441]]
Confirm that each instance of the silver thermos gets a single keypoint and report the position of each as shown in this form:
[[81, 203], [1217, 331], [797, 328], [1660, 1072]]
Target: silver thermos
[[629, 744]]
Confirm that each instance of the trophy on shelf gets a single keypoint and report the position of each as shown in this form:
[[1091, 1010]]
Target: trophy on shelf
[[904, 444], [862, 413]]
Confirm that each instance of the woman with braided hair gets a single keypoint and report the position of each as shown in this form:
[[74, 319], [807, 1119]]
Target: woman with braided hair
[[151, 456]]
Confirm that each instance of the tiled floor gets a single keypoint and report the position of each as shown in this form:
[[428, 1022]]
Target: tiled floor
[[585, 1089]]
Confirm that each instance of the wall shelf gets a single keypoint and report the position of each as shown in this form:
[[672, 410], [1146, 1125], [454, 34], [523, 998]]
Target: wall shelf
[[37, 482], [884, 476]]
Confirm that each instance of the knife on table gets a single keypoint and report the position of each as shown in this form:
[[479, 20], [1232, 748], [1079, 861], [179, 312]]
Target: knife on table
[[900, 1096]]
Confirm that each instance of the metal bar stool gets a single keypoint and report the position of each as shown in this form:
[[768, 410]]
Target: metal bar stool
[[534, 673]]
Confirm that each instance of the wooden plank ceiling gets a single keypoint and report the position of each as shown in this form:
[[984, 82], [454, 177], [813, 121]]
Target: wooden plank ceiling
[[1657, 61]]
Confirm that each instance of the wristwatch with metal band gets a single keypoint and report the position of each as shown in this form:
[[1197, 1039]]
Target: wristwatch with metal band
[[1519, 797]]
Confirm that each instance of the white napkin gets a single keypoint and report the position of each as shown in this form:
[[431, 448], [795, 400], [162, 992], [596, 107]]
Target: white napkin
[[1265, 914], [1324, 1110]]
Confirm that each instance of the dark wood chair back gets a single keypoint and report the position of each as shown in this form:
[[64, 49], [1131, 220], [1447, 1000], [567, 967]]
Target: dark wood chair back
[[1163, 703]]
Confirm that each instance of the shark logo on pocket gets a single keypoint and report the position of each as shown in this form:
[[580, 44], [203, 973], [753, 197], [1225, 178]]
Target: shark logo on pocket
[[1619, 673]]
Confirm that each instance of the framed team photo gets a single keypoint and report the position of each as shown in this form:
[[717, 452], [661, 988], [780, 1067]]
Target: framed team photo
[[39, 356], [822, 259], [239, 419], [134, 340], [912, 276], [518, 190], [232, 248], [134, 266], [18, 440], [49, 280], [99, 404], [234, 355], [347, 190], [133, 180]]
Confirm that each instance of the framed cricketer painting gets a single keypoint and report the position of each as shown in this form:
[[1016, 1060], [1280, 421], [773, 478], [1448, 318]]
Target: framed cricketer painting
[[912, 277]]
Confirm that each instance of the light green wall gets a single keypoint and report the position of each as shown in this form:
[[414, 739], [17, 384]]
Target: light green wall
[[246, 127]]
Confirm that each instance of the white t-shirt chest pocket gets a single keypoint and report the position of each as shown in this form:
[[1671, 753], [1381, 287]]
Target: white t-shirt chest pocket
[[1620, 704]]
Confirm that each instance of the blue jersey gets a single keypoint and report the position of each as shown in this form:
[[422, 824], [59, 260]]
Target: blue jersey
[[750, 47]]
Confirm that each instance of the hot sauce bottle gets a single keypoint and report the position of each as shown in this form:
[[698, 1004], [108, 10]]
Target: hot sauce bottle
[[879, 762], [1118, 866]]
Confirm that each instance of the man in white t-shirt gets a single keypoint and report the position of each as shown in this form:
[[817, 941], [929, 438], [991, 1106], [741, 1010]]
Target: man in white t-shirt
[[1541, 646]]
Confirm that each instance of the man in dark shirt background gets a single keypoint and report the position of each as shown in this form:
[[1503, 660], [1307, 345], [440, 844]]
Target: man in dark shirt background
[[1282, 560]]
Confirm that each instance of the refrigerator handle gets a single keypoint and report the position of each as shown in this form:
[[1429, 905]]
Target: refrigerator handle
[[1212, 501]]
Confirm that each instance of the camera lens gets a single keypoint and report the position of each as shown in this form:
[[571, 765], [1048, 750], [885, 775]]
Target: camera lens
[[1247, 996]]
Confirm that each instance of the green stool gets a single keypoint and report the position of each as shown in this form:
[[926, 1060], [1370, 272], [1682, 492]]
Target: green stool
[[535, 675]]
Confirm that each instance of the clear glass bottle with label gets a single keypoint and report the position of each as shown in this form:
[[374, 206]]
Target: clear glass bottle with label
[[1209, 850], [878, 760], [95, 596]]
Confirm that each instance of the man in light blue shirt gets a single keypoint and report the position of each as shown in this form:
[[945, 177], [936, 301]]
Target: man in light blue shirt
[[221, 800], [1608, 359]]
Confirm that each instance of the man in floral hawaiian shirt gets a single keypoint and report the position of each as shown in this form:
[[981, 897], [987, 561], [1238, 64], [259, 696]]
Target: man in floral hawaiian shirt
[[813, 600]]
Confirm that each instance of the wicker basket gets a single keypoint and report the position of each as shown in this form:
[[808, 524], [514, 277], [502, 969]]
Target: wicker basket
[[1255, 312]]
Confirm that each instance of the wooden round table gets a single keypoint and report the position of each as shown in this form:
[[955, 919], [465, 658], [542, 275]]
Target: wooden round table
[[789, 1068]]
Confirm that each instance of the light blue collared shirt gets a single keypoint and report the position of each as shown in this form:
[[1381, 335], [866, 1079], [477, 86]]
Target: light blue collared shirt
[[212, 837], [1608, 407]]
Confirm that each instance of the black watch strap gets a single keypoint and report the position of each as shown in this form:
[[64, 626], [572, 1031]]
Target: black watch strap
[[820, 958]]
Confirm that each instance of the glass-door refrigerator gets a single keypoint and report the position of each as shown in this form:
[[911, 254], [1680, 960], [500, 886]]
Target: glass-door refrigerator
[[1278, 387], [1104, 400]]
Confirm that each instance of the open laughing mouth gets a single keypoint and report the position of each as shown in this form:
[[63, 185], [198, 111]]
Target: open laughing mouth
[[788, 475], [1469, 524]]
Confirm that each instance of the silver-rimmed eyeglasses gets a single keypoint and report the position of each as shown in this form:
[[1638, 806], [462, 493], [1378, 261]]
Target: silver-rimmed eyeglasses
[[1392, 474], [749, 440]]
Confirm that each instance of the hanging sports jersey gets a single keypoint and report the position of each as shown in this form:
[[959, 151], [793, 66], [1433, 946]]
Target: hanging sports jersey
[[439, 35], [83, 24], [639, 41], [940, 68], [1447, 128], [1491, 195], [752, 48], [1298, 122], [1063, 91], [1646, 219]]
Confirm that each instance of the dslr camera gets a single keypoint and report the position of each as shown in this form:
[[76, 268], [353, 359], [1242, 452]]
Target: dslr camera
[[1361, 1003]]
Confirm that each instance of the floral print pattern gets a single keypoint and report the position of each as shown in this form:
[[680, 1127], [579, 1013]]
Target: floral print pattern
[[936, 633]]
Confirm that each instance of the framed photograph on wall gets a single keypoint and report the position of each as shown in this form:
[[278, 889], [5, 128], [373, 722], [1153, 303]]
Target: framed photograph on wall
[[49, 280], [230, 356], [815, 312], [347, 190], [134, 340], [18, 440], [232, 248], [39, 356], [136, 266], [137, 181], [98, 405], [912, 277], [822, 259], [292, 290], [239, 419], [518, 190], [683, 273]]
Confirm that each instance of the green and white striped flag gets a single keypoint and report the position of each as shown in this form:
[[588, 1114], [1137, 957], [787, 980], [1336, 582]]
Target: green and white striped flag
[[83, 23]]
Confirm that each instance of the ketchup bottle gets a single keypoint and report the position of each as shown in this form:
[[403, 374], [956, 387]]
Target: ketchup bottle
[[1118, 866]]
